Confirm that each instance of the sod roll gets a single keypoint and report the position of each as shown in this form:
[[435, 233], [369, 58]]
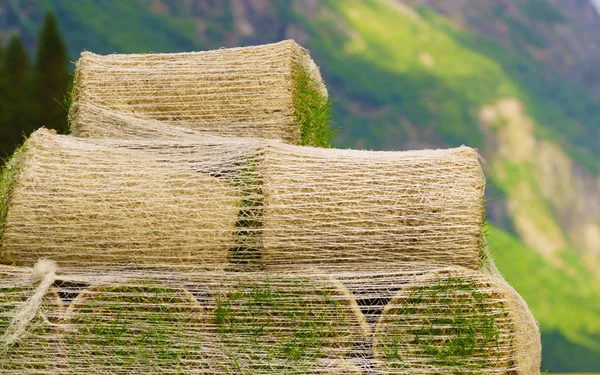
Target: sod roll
[[82, 203], [456, 320], [40, 348], [270, 91], [325, 206], [136, 327], [292, 324]]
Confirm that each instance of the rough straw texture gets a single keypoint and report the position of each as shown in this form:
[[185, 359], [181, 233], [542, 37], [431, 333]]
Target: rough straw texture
[[361, 206], [270, 91], [82, 203], [30, 353], [213, 203]]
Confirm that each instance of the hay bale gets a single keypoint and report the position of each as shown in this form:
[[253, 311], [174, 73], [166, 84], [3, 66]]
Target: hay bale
[[286, 324], [449, 321], [136, 326], [270, 91], [86, 203], [39, 350], [334, 207], [526, 355]]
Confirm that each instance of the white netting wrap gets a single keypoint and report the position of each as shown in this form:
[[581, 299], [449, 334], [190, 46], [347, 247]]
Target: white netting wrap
[[219, 203], [187, 245], [456, 318], [439, 321], [270, 91]]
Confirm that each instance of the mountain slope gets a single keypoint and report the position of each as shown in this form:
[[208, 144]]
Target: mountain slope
[[405, 77]]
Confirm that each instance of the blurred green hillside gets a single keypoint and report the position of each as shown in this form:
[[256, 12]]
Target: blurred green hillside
[[418, 74]]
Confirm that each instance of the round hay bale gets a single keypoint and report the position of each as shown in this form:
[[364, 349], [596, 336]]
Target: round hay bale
[[335, 207], [87, 203], [40, 349], [453, 320], [526, 354], [285, 324], [136, 326], [269, 91]]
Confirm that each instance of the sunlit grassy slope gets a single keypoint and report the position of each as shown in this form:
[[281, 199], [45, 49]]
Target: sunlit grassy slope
[[565, 301]]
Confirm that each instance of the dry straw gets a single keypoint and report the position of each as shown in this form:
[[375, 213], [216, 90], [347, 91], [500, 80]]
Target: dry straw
[[239, 204], [270, 91], [456, 320], [81, 203], [37, 347], [327, 206]]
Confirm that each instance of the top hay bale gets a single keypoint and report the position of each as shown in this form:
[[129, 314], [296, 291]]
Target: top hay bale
[[270, 91]]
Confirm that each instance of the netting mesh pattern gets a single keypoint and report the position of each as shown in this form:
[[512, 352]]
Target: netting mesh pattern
[[195, 236], [269, 91], [245, 204], [440, 320], [35, 351], [456, 318]]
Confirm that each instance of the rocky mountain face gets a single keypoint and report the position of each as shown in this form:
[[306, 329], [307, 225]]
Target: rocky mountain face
[[517, 79], [563, 35]]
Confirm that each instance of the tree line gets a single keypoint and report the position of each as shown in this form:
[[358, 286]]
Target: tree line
[[33, 93]]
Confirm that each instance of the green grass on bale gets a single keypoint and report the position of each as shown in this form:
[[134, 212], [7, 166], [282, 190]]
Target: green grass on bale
[[312, 110], [246, 253], [457, 334], [282, 326], [7, 182], [136, 328]]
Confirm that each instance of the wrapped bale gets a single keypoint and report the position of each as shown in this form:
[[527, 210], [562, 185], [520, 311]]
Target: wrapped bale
[[340, 368], [292, 324], [269, 91], [526, 354], [38, 349], [334, 207], [85, 203], [136, 327], [456, 320]]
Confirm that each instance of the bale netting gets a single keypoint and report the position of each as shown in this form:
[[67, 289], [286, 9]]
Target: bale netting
[[136, 327], [346, 367], [38, 347], [292, 324], [325, 206], [526, 355], [270, 91], [453, 320], [90, 204]]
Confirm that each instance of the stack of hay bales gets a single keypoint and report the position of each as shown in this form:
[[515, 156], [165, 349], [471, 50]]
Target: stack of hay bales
[[205, 236]]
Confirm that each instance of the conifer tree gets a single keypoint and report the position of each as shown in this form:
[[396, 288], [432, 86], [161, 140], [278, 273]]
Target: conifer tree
[[15, 117], [51, 76]]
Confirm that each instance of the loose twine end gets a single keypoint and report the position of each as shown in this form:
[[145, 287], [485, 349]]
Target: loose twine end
[[44, 271]]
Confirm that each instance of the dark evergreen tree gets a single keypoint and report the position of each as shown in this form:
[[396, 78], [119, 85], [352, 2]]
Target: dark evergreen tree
[[51, 76], [15, 117]]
